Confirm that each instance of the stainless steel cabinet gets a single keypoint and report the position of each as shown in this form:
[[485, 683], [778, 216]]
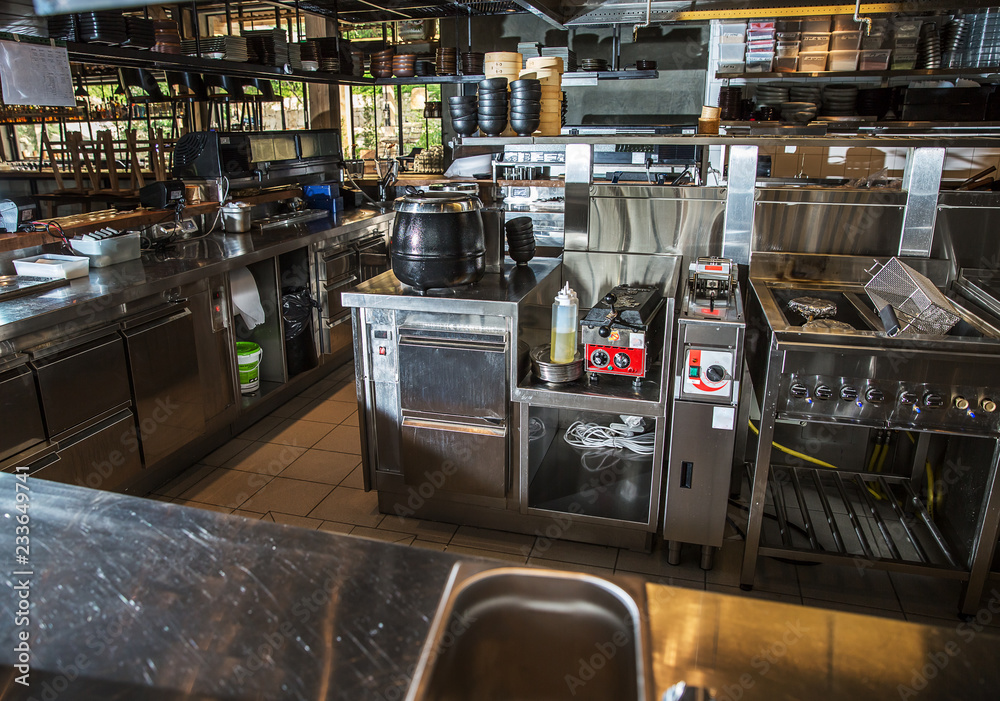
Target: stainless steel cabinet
[[20, 412], [103, 456]]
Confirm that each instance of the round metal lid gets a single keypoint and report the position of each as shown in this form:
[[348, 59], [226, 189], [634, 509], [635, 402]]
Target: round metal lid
[[437, 203]]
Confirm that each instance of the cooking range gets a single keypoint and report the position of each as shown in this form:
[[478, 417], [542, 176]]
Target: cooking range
[[870, 448]]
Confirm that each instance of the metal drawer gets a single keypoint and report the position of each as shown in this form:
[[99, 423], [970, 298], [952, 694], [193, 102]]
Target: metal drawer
[[455, 457], [337, 265], [455, 376], [334, 308], [79, 381], [20, 413]]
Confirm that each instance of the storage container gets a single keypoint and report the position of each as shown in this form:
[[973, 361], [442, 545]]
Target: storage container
[[760, 47], [788, 25], [730, 53], [907, 27], [786, 64], [875, 59], [732, 32], [787, 49], [903, 60], [53, 265], [845, 23], [815, 41], [812, 61], [875, 40], [110, 251], [761, 35], [843, 60], [759, 62], [735, 67], [789, 36], [757, 24], [845, 41], [816, 24]]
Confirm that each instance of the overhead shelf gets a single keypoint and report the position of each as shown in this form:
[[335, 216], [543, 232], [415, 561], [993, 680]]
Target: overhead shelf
[[899, 140], [430, 80], [916, 72]]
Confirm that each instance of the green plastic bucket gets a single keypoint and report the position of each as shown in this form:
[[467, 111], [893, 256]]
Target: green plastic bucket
[[248, 359]]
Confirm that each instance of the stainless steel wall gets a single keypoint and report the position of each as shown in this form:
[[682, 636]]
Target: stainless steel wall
[[968, 229]]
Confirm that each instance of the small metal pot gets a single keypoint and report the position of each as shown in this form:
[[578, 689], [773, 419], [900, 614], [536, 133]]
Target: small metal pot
[[236, 217]]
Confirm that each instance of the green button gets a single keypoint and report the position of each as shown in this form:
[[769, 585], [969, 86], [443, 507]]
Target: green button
[[693, 371]]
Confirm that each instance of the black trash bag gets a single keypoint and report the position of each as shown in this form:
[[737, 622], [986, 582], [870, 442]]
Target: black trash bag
[[296, 309]]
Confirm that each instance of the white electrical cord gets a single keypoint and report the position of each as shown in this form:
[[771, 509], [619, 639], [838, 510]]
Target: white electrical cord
[[536, 429], [627, 436]]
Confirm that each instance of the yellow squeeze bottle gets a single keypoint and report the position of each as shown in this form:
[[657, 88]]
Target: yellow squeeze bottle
[[564, 326]]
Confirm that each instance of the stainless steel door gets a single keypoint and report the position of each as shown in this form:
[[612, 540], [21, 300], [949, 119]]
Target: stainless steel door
[[454, 457], [168, 396], [81, 379], [339, 264], [454, 374], [698, 473], [20, 413]]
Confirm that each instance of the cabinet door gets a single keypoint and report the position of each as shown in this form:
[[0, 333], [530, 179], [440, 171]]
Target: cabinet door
[[455, 457], [20, 414], [104, 456]]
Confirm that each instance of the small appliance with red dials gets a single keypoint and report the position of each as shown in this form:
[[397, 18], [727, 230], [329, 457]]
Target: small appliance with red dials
[[623, 331], [705, 412]]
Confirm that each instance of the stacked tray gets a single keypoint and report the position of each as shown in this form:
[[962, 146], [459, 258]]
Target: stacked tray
[[230, 48], [63, 27], [141, 33], [446, 61], [840, 100], [267, 47], [473, 62], [771, 94], [101, 27], [568, 57], [168, 41], [806, 93], [592, 64], [730, 102]]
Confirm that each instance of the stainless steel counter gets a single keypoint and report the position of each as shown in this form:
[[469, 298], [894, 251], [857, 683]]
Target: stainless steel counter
[[188, 261], [131, 598]]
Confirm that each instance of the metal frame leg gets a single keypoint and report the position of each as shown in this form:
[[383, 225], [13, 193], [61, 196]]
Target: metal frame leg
[[985, 542], [674, 552]]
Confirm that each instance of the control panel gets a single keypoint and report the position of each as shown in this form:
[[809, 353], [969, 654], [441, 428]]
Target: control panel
[[616, 360], [708, 373], [890, 403]]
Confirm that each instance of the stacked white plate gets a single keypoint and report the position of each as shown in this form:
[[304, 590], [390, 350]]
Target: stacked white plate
[[772, 94]]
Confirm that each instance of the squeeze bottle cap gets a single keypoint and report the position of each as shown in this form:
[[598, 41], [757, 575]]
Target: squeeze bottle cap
[[566, 296]]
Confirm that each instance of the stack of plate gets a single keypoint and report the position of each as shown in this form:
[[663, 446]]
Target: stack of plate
[[806, 93], [404, 65], [929, 47], [424, 67], [529, 49], [269, 46], [547, 371], [473, 62], [309, 50], [446, 61], [63, 27], [798, 112], [729, 102], [329, 64], [101, 27], [230, 48], [168, 41], [771, 94], [982, 46], [840, 100], [568, 57], [358, 63], [295, 55], [593, 64], [141, 33], [381, 63]]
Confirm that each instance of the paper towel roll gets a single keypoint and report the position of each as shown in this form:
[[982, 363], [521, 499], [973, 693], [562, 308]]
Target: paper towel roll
[[246, 297]]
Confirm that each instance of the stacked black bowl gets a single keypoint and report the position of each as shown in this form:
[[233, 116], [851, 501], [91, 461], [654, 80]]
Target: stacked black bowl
[[493, 106], [525, 106], [520, 239], [464, 114]]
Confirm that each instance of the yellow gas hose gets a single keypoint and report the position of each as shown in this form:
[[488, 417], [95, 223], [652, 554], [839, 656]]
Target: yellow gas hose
[[794, 453]]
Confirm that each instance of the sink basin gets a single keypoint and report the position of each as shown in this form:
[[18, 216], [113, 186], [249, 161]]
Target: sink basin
[[521, 634]]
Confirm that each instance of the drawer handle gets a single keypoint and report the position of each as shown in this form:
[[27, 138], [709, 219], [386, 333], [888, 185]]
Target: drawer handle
[[449, 343], [453, 427]]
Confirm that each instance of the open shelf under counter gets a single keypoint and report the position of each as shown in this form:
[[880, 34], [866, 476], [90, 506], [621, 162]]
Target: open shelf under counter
[[265, 388], [609, 393]]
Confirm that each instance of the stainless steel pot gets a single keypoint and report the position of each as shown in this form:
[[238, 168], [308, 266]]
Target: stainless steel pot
[[438, 240], [236, 217]]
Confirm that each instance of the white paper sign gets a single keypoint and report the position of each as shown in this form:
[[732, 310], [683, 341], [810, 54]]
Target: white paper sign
[[35, 74], [724, 418]]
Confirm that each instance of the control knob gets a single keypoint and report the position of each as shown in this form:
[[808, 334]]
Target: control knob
[[599, 358], [824, 392], [961, 403], [933, 399], [988, 405], [875, 395], [715, 373], [622, 360], [908, 398], [799, 390], [848, 393]]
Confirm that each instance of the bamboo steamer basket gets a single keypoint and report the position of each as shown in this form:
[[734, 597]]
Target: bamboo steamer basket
[[543, 62]]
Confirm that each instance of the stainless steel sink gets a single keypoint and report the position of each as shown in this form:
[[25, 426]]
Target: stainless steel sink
[[520, 634]]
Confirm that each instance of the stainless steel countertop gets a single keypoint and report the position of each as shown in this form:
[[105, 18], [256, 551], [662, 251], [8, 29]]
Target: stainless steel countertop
[[495, 293], [190, 261], [133, 598]]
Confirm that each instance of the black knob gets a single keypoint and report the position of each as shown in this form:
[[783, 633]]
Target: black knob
[[604, 331], [610, 299], [715, 373], [599, 358], [622, 360]]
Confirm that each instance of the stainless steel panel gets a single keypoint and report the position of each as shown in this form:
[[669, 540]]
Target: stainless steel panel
[[922, 182], [105, 456], [168, 395], [642, 219], [333, 306], [593, 274], [834, 222], [698, 473], [458, 377], [340, 263], [577, 192], [215, 352], [80, 382], [20, 413], [737, 224], [964, 229], [455, 457]]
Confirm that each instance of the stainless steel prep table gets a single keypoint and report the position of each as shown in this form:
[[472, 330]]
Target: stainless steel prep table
[[132, 597]]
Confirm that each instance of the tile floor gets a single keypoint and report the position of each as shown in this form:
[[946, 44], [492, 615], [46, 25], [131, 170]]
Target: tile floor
[[301, 466]]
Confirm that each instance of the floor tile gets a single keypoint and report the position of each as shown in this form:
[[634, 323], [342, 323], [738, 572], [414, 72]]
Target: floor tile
[[355, 480], [336, 527], [228, 488], [946, 622], [423, 530], [293, 520], [348, 505], [428, 545], [265, 458], [489, 554], [203, 505], [771, 575], [322, 466], [288, 496], [664, 580], [570, 566], [303, 434], [928, 596], [754, 593], [328, 412], [159, 497], [655, 564], [599, 556], [218, 457], [184, 481], [848, 585], [351, 420], [260, 428], [293, 406], [342, 439], [248, 514], [385, 536], [318, 388], [852, 608], [487, 539], [346, 393]]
